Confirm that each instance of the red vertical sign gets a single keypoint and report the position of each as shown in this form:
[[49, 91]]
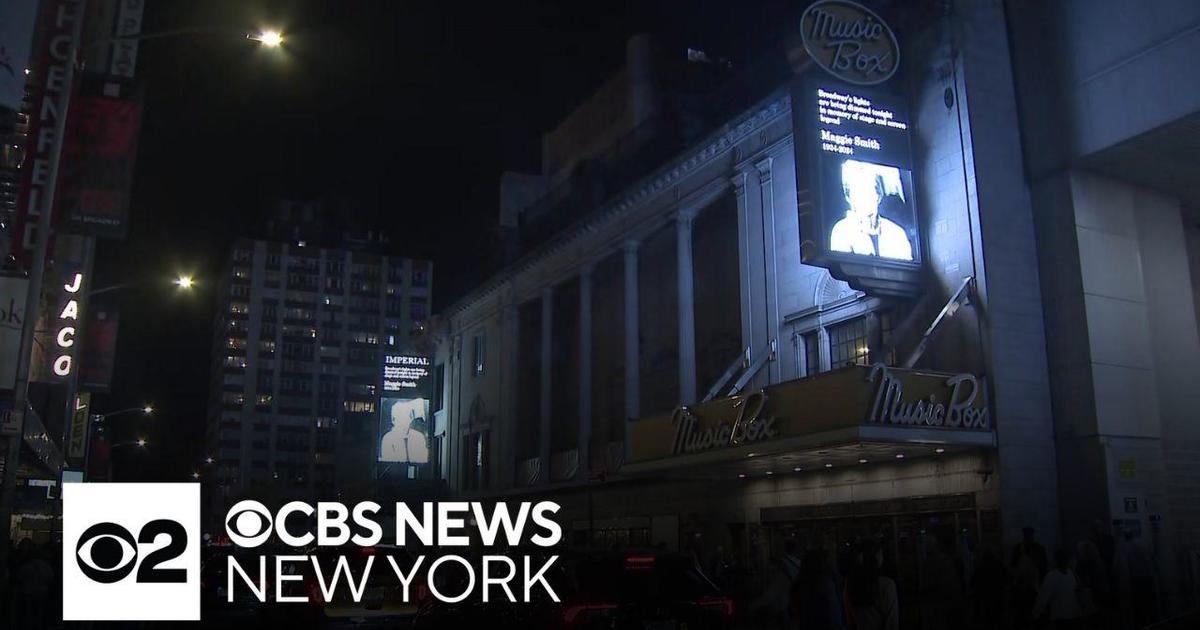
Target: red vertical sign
[[50, 97]]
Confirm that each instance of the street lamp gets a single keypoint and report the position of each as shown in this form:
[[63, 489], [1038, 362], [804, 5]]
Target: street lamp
[[269, 38], [184, 282], [145, 410]]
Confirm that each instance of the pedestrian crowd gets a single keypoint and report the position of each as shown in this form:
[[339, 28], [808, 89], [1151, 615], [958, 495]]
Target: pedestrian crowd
[[1103, 582], [30, 587]]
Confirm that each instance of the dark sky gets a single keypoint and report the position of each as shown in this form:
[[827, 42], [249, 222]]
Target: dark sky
[[411, 110]]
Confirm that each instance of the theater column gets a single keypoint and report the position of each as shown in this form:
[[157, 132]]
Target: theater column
[[687, 299], [547, 373], [632, 404], [585, 369], [771, 288]]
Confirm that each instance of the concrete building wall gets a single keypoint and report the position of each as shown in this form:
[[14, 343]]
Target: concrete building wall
[[1123, 353], [1079, 96], [1007, 275]]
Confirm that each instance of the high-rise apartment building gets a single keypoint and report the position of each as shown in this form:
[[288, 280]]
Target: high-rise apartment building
[[295, 374]]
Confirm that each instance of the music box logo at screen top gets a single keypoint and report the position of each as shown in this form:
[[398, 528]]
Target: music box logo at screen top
[[131, 552]]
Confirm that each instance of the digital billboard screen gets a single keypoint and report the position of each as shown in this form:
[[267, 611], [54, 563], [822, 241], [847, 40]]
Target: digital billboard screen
[[858, 214], [404, 411], [864, 165]]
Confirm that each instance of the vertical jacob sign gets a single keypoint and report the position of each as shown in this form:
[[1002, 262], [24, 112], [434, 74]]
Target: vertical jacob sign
[[404, 416]]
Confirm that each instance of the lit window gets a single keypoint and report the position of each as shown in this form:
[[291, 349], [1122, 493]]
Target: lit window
[[848, 343], [359, 406]]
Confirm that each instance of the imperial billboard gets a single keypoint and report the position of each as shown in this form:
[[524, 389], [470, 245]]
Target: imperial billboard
[[404, 418], [854, 153]]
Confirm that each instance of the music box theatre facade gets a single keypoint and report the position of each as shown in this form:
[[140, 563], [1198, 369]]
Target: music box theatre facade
[[823, 318]]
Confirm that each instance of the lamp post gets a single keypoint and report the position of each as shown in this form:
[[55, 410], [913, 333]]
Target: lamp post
[[184, 282], [37, 266]]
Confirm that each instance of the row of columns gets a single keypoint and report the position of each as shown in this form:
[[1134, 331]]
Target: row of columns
[[760, 226], [687, 340]]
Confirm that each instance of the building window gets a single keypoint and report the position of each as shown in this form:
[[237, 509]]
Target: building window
[[360, 406], [887, 328], [417, 309], [810, 353], [478, 354], [420, 277], [848, 343], [475, 461], [439, 383], [364, 337], [239, 308]]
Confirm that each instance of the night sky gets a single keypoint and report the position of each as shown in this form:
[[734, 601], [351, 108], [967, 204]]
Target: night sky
[[410, 110]]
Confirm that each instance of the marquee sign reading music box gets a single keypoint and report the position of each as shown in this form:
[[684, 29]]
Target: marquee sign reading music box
[[846, 399]]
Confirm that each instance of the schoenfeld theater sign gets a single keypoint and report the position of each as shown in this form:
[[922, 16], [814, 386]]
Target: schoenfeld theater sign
[[844, 399]]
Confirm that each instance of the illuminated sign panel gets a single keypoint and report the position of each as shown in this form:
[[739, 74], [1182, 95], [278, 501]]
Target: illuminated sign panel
[[854, 153], [67, 326], [850, 41], [404, 412]]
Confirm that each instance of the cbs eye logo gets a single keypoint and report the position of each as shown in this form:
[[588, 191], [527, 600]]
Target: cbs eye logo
[[131, 552], [107, 552], [248, 523]]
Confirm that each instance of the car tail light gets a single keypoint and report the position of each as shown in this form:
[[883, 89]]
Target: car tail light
[[639, 562], [723, 605], [580, 612]]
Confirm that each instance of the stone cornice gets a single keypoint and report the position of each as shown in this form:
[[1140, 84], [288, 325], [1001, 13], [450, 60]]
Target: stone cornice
[[703, 153]]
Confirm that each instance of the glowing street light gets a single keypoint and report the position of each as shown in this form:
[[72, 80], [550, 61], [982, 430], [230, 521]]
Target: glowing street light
[[268, 38], [148, 409], [141, 442], [184, 282], [209, 460], [195, 475]]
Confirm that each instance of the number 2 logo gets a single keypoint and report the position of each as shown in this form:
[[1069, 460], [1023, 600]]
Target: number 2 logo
[[108, 553]]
